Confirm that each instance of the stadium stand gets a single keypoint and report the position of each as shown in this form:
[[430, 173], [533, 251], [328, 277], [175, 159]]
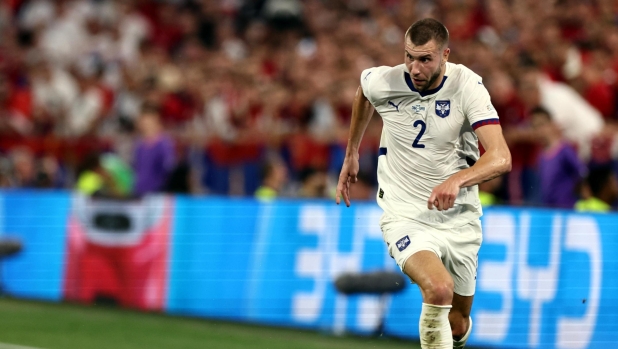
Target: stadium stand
[[239, 82]]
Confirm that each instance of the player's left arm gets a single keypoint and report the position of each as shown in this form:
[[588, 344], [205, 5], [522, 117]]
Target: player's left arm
[[494, 162]]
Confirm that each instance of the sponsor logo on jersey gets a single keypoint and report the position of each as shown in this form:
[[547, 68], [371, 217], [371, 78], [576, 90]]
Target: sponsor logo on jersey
[[418, 108], [403, 243], [381, 193], [396, 106], [443, 108]]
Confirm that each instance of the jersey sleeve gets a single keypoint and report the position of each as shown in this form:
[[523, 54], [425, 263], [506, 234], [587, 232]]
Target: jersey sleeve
[[365, 81], [370, 80], [477, 106]]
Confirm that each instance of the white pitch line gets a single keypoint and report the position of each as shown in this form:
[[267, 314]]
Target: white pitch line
[[15, 346]]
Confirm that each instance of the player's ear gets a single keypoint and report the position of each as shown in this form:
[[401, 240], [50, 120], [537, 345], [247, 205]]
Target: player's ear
[[445, 54]]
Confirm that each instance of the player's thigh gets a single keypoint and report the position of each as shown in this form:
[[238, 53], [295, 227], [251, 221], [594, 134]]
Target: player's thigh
[[418, 251], [404, 238], [428, 272], [461, 257]]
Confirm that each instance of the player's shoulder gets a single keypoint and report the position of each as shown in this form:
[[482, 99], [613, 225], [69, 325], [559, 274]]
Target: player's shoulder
[[378, 82], [462, 74], [383, 72]]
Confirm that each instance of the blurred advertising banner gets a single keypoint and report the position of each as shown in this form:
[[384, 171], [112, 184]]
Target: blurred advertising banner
[[546, 278], [117, 251]]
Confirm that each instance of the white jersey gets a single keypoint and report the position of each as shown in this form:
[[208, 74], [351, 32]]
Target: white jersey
[[427, 137]]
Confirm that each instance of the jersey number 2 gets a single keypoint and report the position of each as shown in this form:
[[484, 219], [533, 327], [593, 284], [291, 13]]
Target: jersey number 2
[[416, 143]]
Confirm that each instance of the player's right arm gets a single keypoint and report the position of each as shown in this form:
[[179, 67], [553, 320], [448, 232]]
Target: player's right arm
[[362, 110]]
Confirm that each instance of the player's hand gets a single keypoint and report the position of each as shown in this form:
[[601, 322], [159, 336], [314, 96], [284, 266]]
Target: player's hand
[[348, 175], [443, 196]]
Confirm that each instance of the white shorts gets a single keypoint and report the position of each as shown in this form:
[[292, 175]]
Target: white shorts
[[457, 247]]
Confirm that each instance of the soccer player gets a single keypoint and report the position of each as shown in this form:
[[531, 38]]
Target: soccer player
[[434, 113]]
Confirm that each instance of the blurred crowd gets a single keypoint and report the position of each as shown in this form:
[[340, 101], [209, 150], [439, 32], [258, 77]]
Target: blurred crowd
[[253, 97]]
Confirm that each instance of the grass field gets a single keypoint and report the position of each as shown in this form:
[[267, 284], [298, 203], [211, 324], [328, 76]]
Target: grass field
[[67, 326]]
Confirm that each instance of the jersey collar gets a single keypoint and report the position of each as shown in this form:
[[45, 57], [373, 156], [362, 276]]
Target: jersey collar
[[408, 79]]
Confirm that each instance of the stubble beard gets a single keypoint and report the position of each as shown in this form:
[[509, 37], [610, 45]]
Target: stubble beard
[[434, 77]]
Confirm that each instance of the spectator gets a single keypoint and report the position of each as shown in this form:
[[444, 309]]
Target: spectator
[[87, 107], [560, 170], [96, 180], [599, 192], [517, 133], [25, 174], [313, 183], [53, 91], [578, 121], [15, 117], [179, 180], [50, 173], [153, 159], [120, 172], [274, 178]]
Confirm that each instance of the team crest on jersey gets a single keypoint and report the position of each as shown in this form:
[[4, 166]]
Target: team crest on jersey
[[443, 108], [403, 243]]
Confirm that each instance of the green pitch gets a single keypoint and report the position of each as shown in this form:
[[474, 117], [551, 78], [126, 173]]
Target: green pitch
[[66, 326]]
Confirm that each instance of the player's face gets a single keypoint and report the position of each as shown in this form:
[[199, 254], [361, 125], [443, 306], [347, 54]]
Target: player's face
[[426, 63]]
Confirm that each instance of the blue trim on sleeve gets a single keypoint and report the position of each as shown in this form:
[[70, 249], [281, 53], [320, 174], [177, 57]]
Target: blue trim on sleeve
[[382, 151], [485, 122]]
